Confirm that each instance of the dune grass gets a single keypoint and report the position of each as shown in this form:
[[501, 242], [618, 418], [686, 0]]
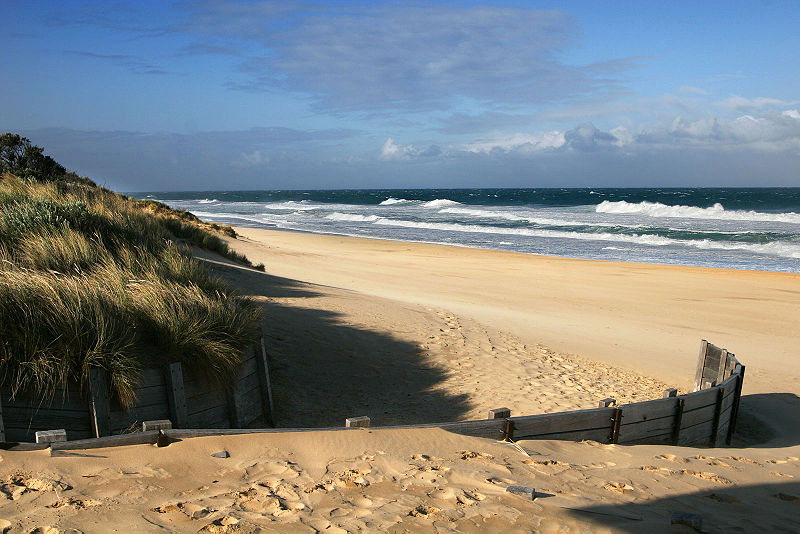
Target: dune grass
[[90, 278]]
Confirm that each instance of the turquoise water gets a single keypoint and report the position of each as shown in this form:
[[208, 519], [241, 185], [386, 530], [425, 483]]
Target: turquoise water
[[755, 229]]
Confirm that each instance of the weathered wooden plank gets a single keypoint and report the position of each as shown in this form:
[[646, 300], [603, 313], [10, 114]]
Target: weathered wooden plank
[[715, 423], [151, 377], [176, 395], [70, 400], [44, 419], [699, 399], [723, 429], [215, 417], [538, 425], [212, 398], [697, 416], [138, 438], [723, 365], [653, 439], [99, 406], [262, 362], [696, 435], [677, 422], [701, 362], [147, 397], [647, 410], [484, 428], [602, 435], [360, 421], [499, 413], [250, 407], [635, 431], [249, 365], [739, 372]]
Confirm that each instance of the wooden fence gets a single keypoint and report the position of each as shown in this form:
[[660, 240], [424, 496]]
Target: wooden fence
[[705, 417], [186, 399]]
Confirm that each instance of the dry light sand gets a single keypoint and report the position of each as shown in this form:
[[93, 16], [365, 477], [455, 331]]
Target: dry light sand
[[413, 333]]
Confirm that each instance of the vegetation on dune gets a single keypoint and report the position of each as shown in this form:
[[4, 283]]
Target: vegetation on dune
[[91, 278]]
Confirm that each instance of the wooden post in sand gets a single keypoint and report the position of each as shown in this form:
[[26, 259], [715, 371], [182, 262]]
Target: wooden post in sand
[[678, 421], [499, 413], [176, 394], [99, 406], [266, 386], [352, 422], [605, 403], [735, 408], [701, 363], [717, 412], [2, 428]]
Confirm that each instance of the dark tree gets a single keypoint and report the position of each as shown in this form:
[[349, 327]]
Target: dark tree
[[25, 160]]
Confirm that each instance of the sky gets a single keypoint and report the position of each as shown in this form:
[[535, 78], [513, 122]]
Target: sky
[[224, 95]]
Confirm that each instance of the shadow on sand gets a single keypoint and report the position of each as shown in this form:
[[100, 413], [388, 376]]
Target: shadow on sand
[[755, 508], [324, 369]]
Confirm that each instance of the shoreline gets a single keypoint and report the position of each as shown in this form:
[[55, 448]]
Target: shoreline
[[648, 318], [535, 254]]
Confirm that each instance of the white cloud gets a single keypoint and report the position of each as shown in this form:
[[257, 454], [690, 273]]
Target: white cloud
[[741, 103], [391, 150], [522, 142]]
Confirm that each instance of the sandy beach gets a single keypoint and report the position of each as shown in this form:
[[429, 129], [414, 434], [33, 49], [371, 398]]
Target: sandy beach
[[413, 333]]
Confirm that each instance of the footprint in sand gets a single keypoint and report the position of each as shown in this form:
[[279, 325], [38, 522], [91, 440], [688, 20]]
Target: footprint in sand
[[703, 475], [190, 510], [425, 458], [618, 487], [15, 486], [785, 475], [223, 524], [655, 469], [424, 511], [78, 504], [743, 460], [471, 455]]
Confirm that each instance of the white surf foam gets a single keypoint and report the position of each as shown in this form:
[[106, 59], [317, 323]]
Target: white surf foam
[[776, 248], [207, 201], [392, 201], [351, 217], [717, 211], [441, 203]]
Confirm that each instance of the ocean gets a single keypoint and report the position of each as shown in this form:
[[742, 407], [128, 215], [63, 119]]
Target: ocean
[[755, 229]]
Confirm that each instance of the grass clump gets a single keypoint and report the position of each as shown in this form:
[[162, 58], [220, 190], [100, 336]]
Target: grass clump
[[90, 278]]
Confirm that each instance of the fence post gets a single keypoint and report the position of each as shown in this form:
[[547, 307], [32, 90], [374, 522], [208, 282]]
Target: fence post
[[499, 413], [236, 399], [266, 385], [676, 430], [176, 394], [617, 422], [99, 405], [717, 412], [735, 407], [701, 362], [2, 428], [723, 365]]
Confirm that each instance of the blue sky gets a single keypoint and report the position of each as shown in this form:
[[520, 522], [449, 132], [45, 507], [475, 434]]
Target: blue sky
[[263, 95]]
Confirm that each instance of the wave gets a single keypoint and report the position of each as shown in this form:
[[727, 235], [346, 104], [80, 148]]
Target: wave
[[775, 248], [544, 221], [392, 201], [291, 205], [717, 211], [351, 217], [441, 203], [483, 213]]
